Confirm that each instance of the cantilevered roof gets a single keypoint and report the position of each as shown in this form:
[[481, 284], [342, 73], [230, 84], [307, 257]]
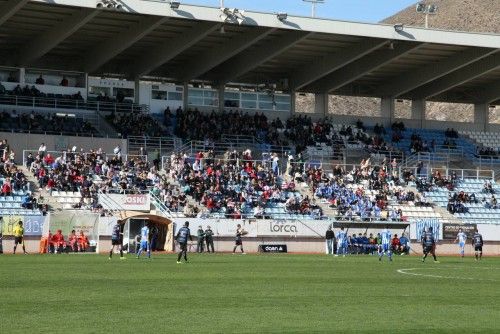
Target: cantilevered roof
[[150, 39]]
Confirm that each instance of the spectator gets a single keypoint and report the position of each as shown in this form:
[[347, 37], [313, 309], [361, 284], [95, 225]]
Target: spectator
[[405, 244], [40, 80], [64, 82], [42, 150], [395, 244]]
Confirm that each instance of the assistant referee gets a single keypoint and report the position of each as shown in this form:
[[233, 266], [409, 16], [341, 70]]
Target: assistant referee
[[19, 236]]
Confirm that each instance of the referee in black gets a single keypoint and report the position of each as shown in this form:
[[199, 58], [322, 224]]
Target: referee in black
[[429, 244], [477, 242], [182, 238]]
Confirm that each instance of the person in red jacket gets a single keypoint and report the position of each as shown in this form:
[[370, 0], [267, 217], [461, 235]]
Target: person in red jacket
[[395, 244], [58, 242], [83, 242], [73, 241], [6, 189]]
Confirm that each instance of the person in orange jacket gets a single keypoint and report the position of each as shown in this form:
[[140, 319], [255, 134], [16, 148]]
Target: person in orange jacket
[[73, 241], [83, 242], [58, 242]]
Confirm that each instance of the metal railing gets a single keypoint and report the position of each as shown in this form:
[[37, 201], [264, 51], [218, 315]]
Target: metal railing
[[462, 174], [160, 206], [55, 154], [64, 103], [153, 145]]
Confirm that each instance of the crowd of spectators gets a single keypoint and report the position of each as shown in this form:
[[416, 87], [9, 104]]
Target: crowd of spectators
[[32, 91], [487, 151], [136, 124], [91, 172], [14, 181], [44, 123], [346, 191], [237, 186]]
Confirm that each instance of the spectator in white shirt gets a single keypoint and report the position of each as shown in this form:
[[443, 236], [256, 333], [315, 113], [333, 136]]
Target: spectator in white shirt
[[42, 150]]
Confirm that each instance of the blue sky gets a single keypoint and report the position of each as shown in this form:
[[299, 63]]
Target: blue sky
[[351, 10]]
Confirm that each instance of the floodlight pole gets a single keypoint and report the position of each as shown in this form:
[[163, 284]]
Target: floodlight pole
[[313, 6], [426, 9]]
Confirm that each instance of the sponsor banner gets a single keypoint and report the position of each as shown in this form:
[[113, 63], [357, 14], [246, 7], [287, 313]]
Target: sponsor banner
[[259, 228], [422, 224], [273, 248], [33, 225], [450, 231], [133, 202], [106, 225]]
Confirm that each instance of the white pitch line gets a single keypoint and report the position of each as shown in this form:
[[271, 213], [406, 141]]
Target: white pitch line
[[406, 272]]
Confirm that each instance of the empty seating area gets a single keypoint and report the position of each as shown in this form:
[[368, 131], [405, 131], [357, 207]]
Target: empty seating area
[[13, 205], [487, 139], [429, 140], [481, 209], [68, 199]]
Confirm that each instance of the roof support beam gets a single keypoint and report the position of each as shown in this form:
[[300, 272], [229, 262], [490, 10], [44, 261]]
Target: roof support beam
[[10, 8], [172, 47], [247, 61], [429, 72], [490, 94], [106, 50], [49, 40], [327, 64], [361, 67], [217, 55], [458, 78]]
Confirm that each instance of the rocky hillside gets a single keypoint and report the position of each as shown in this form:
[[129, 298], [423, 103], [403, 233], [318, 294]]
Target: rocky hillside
[[460, 15]]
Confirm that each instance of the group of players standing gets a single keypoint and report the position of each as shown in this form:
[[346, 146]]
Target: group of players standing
[[427, 241]]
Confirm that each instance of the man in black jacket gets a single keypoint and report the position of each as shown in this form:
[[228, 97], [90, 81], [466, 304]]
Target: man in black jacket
[[330, 241]]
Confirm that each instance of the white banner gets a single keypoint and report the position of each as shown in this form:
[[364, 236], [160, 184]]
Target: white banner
[[106, 225], [133, 202], [260, 228]]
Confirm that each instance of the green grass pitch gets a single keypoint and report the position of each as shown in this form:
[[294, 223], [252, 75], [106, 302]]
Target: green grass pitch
[[248, 294]]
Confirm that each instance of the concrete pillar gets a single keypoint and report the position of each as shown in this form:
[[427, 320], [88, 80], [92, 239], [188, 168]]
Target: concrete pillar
[[22, 76], [418, 111], [137, 90], [185, 96], [482, 116], [321, 104], [220, 91], [387, 110], [292, 103]]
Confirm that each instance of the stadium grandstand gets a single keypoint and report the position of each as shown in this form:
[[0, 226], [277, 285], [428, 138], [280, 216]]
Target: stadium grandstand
[[129, 126], [112, 111]]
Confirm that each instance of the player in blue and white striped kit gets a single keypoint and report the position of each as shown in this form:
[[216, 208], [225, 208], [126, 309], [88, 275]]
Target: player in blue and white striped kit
[[341, 242], [145, 245], [461, 238], [385, 246]]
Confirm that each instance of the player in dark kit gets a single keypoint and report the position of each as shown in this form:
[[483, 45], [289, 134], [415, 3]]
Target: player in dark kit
[[477, 242], [182, 238], [429, 244], [116, 241], [238, 241]]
